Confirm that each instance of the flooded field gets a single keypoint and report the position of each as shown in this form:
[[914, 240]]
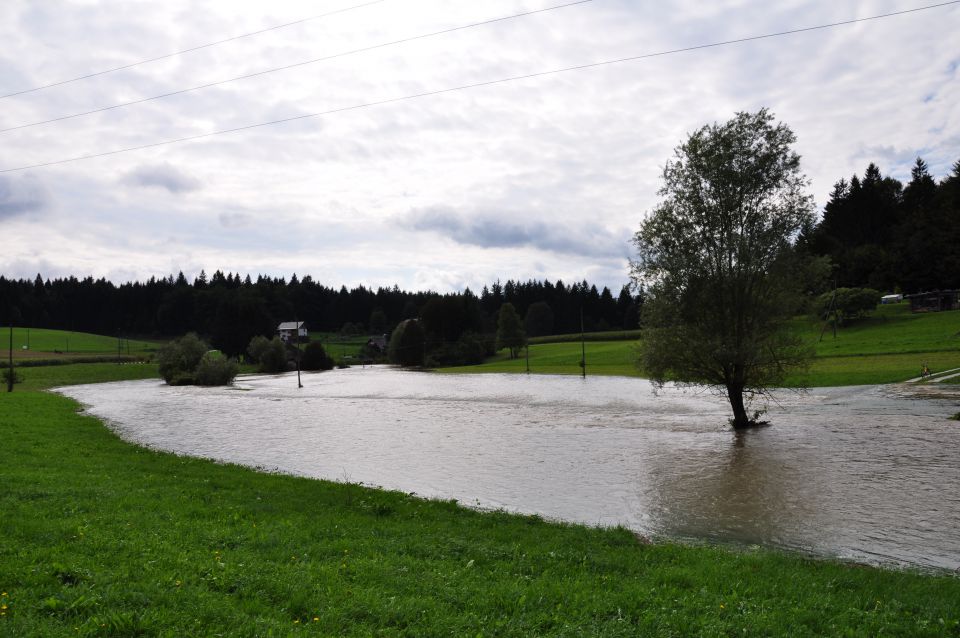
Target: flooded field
[[866, 473]]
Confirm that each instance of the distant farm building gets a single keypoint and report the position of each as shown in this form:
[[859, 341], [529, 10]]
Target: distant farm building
[[290, 329], [935, 301]]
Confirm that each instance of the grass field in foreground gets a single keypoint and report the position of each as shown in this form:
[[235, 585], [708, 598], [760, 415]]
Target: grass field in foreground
[[43, 377], [886, 348], [99, 537]]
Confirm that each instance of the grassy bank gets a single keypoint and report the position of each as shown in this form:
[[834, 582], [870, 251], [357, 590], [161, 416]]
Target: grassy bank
[[887, 347], [43, 377], [99, 537]]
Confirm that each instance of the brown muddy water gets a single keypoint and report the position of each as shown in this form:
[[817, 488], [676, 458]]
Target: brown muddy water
[[864, 473]]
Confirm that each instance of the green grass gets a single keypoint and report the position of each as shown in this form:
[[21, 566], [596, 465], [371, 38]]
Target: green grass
[[43, 377], [872, 369], [891, 329], [50, 341], [888, 347], [608, 335], [603, 358], [338, 346], [99, 537]]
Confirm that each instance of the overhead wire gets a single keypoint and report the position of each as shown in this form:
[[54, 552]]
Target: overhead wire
[[474, 85], [297, 64], [189, 50]]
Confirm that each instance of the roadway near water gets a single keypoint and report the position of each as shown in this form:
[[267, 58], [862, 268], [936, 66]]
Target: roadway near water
[[864, 473]]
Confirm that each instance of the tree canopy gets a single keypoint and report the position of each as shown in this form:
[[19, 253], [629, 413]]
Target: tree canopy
[[714, 257], [510, 332]]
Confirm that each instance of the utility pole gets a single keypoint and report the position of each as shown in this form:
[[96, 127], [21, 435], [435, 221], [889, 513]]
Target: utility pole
[[296, 330], [831, 308], [583, 348], [28, 338]]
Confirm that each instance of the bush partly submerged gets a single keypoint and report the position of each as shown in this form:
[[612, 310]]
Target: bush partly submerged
[[215, 369], [189, 361]]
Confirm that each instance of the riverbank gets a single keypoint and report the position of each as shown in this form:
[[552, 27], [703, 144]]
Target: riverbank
[[103, 537]]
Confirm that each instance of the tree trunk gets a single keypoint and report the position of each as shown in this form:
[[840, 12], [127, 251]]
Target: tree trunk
[[735, 393]]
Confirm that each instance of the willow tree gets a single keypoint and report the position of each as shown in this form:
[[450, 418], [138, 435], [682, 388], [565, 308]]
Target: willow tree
[[715, 258]]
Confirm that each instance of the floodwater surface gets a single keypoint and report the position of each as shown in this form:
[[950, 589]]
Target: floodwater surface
[[864, 473]]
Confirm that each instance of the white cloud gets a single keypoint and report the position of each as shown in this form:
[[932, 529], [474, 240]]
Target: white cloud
[[544, 177]]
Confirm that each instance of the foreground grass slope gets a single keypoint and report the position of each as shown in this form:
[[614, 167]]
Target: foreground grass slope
[[887, 347], [42, 377], [99, 537]]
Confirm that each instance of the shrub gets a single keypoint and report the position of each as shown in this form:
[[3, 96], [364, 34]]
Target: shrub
[[9, 373], [179, 359], [315, 357], [215, 369], [270, 355]]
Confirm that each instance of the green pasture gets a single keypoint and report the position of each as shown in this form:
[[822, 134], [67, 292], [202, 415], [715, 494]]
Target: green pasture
[[41, 340], [891, 329], [339, 346], [103, 538], [887, 347], [603, 357]]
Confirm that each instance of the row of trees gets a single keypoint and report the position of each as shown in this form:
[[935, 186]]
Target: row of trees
[[231, 310], [880, 233]]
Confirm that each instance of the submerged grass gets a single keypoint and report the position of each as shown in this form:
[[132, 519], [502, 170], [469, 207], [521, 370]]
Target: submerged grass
[[100, 537]]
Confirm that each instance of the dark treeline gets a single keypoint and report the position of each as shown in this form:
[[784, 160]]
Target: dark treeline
[[230, 310], [880, 233]]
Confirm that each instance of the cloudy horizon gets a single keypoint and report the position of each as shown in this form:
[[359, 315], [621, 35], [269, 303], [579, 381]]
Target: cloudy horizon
[[545, 177]]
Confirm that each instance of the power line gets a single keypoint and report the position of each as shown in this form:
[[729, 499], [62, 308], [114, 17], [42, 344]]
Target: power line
[[474, 85], [191, 49], [296, 64]]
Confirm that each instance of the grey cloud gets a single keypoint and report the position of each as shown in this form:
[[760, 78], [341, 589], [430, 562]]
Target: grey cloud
[[234, 220], [492, 231], [21, 195], [162, 176]]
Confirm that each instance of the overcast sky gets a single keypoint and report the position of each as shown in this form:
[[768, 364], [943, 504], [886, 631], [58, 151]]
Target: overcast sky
[[539, 178]]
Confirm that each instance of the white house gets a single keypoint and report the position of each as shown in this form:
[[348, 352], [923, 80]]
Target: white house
[[287, 329]]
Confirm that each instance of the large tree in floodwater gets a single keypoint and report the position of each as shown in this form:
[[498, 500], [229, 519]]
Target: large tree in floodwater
[[715, 256]]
